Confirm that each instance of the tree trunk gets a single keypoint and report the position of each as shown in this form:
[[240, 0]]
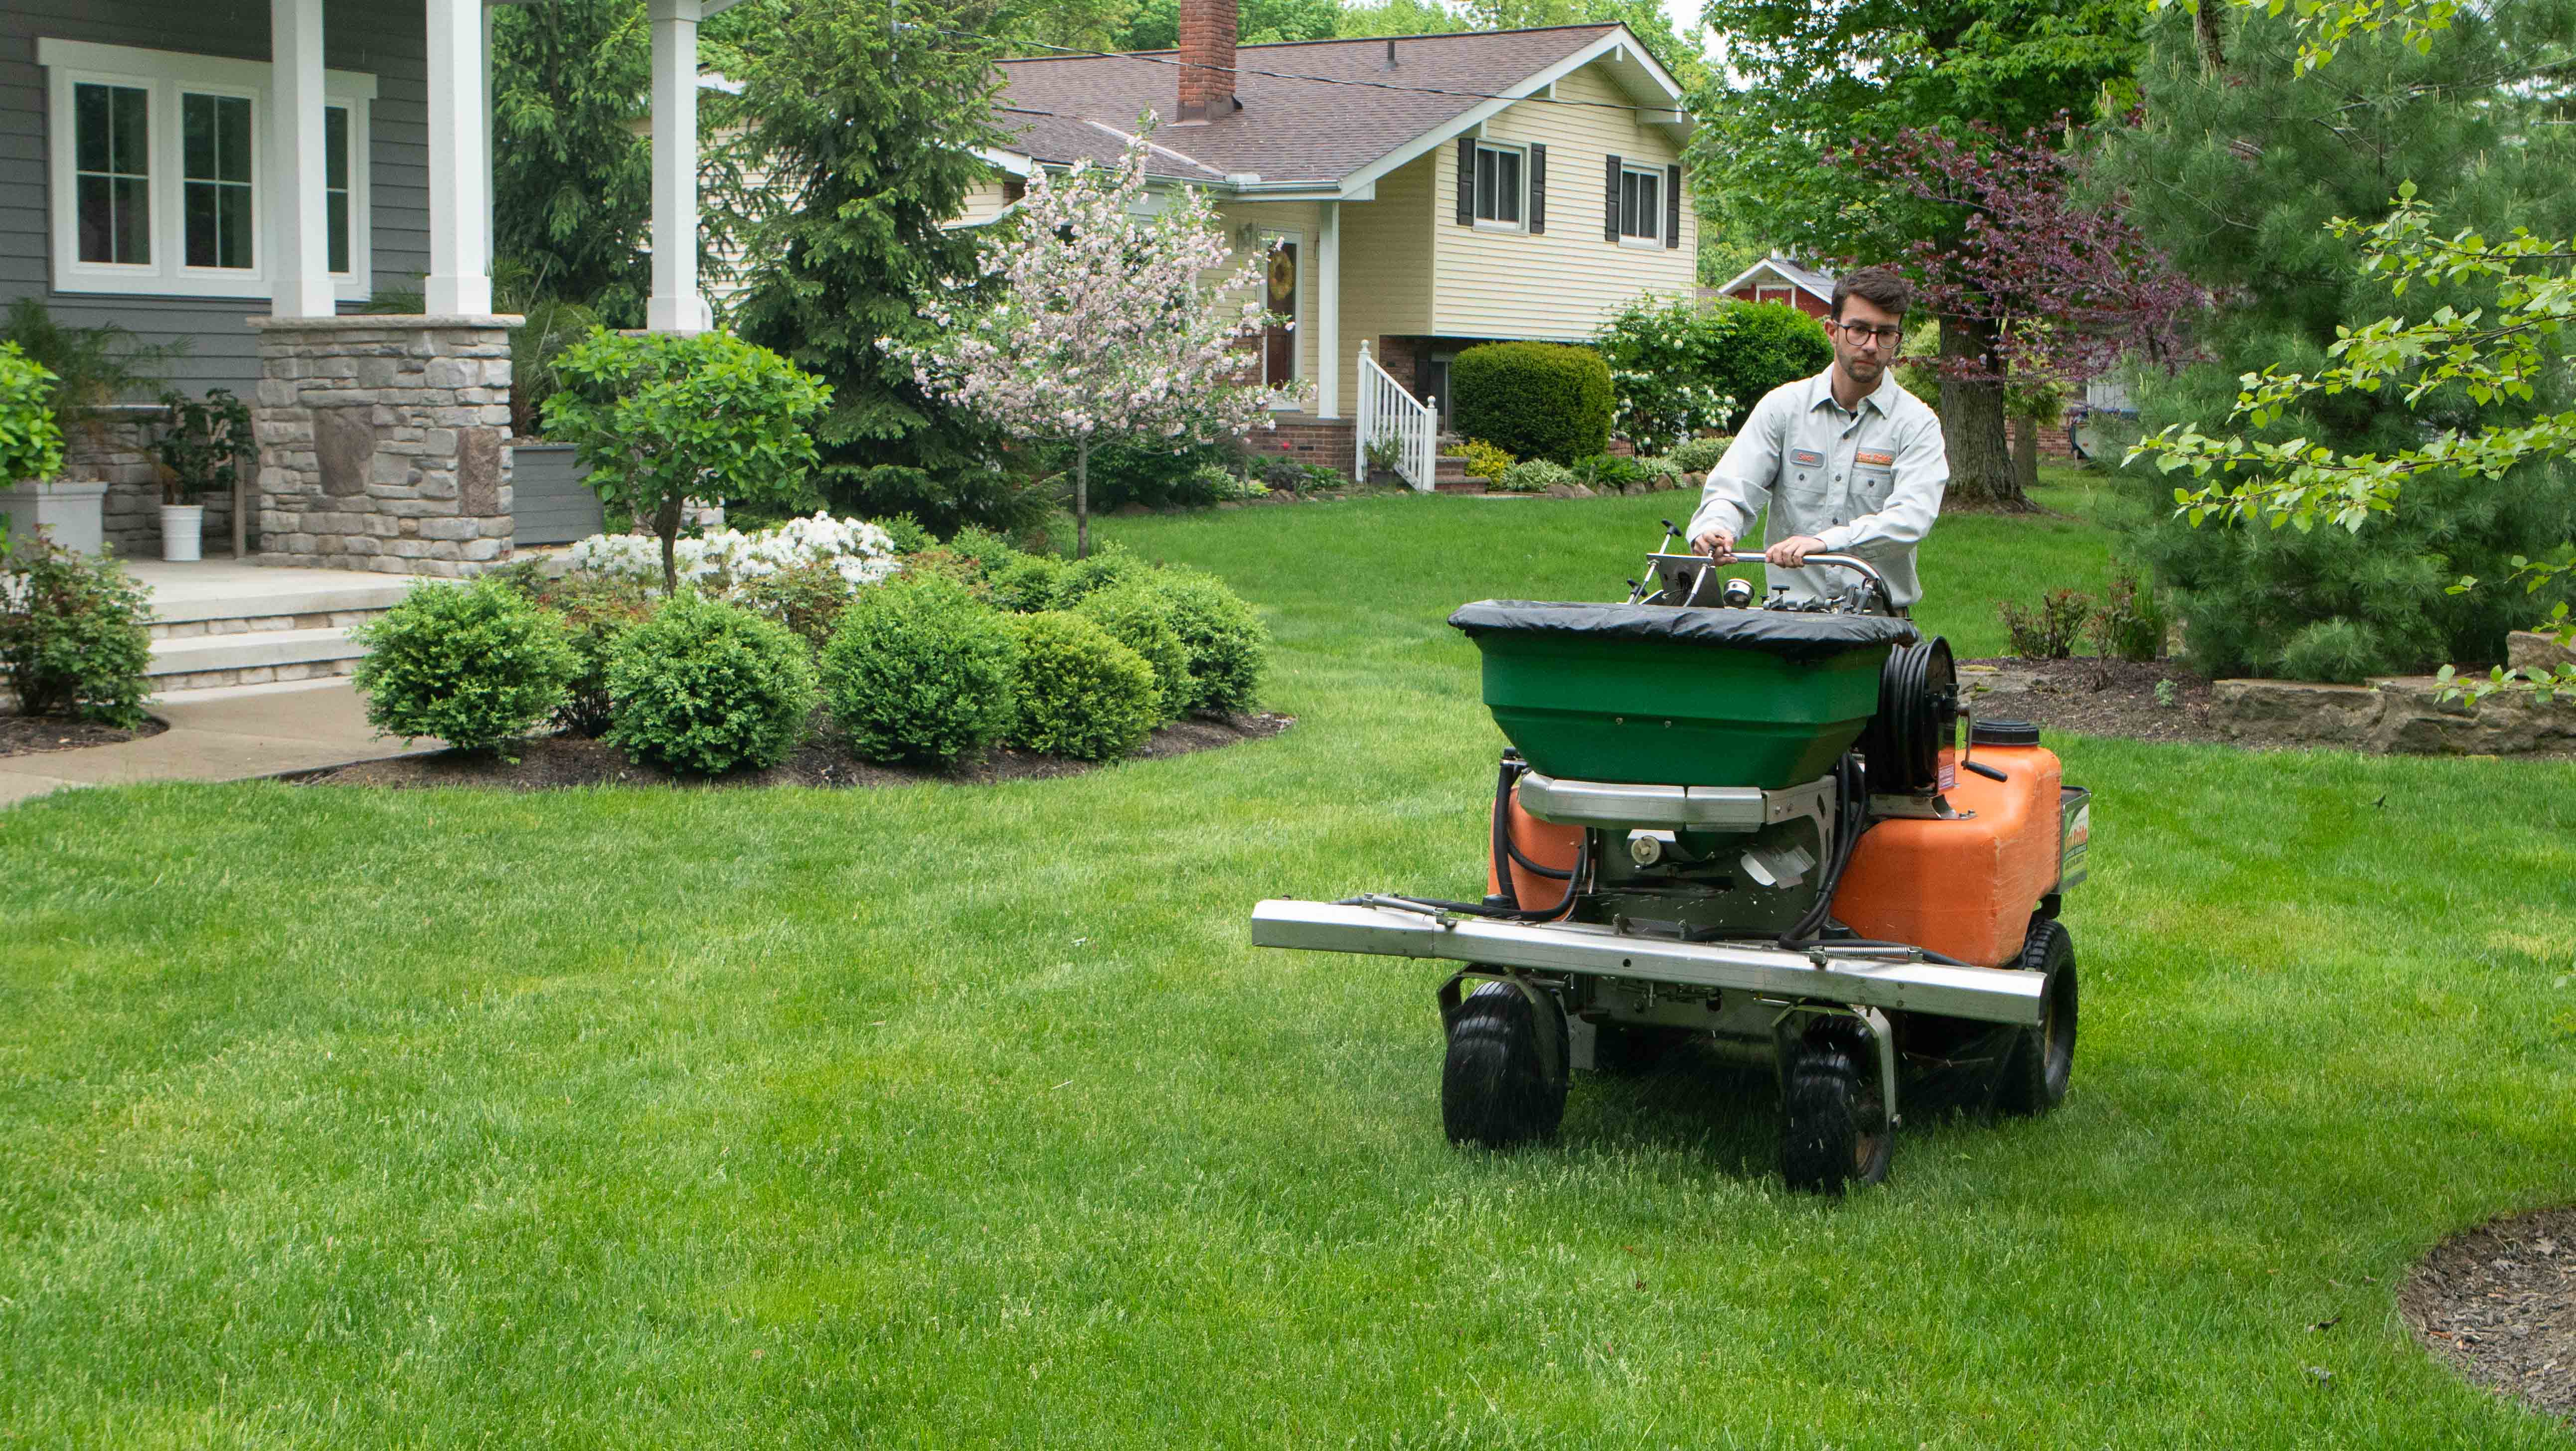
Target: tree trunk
[[1972, 419], [2204, 29], [1082, 499], [2025, 453], [666, 523]]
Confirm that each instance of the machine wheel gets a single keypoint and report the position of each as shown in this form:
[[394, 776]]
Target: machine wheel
[[2042, 1059], [1834, 1132], [1496, 1088]]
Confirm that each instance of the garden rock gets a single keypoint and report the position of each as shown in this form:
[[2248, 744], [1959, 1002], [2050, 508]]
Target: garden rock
[[2532, 650], [2395, 716]]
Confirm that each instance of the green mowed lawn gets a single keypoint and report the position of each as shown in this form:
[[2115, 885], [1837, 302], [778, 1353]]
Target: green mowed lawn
[[958, 1116]]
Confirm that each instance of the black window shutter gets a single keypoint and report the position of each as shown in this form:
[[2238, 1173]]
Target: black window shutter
[[1672, 206], [1537, 188], [1466, 181], [1610, 217]]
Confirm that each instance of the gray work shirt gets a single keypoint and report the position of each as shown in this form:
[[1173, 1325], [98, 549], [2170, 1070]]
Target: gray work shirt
[[1866, 481]]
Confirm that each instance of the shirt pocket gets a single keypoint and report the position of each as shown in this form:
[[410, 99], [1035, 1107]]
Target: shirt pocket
[[1870, 487]]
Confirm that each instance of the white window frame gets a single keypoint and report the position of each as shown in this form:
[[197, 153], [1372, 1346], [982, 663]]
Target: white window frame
[[1520, 202], [1780, 293], [163, 76], [1656, 175]]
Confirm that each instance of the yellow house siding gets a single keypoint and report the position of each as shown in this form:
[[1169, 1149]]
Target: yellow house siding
[[1561, 283], [983, 203], [1386, 267]]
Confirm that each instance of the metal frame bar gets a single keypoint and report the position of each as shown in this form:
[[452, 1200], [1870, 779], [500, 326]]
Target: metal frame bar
[[1899, 984]]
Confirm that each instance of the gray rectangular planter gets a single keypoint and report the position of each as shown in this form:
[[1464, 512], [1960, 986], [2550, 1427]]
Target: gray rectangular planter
[[70, 512], [550, 502]]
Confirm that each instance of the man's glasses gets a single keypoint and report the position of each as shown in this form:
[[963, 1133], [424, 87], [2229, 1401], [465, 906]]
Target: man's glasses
[[1861, 333]]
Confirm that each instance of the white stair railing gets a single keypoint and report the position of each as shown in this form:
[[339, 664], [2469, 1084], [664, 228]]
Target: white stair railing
[[1387, 413]]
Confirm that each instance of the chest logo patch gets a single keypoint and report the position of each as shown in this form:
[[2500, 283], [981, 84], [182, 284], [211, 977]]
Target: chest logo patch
[[1873, 456], [1806, 458]]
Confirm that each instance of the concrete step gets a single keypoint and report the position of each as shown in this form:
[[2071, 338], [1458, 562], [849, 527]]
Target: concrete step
[[1460, 485], [256, 657]]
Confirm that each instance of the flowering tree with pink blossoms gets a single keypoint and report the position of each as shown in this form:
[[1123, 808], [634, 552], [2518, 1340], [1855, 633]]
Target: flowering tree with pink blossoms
[[1108, 324]]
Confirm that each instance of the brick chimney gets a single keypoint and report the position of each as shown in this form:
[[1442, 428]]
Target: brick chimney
[[1207, 60]]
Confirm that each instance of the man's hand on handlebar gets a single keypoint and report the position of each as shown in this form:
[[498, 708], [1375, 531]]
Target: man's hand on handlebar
[[1715, 541], [1792, 552]]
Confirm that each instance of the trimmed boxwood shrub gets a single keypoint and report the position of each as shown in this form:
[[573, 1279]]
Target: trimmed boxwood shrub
[[921, 672], [1699, 455], [707, 687], [1534, 400], [1082, 694], [1088, 576], [1137, 616], [74, 633], [1753, 347], [475, 665], [1025, 583], [1228, 647]]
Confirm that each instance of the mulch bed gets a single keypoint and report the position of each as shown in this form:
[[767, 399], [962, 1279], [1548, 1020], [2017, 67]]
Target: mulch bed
[[25, 735], [2499, 1303], [549, 762], [2095, 698]]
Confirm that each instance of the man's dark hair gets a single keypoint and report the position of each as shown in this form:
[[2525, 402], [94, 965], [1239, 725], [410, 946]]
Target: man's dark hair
[[1878, 285]]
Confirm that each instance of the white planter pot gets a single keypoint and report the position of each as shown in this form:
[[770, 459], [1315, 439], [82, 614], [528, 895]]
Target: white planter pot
[[183, 533], [69, 513]]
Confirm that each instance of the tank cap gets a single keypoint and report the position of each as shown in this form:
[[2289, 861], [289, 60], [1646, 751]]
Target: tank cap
[[2004, 733]]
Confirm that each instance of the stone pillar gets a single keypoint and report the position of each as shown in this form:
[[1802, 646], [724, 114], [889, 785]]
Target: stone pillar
[[384, 442]]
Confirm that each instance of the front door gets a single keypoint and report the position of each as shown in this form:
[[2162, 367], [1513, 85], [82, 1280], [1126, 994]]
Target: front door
[[1279, 339]]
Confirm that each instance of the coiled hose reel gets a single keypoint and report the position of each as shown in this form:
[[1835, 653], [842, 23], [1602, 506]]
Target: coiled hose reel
[[1918, 718]]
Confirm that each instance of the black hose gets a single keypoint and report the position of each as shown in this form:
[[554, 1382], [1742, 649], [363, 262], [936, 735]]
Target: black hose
[[1852, 782], [1505, 849]]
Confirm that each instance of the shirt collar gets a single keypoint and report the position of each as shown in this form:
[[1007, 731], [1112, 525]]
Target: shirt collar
[[1820, 391]]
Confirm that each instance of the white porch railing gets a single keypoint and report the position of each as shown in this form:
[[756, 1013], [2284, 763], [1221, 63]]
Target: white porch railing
[[1389, 414]]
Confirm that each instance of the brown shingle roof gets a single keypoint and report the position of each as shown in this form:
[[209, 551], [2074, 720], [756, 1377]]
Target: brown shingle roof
[[1288, 130]]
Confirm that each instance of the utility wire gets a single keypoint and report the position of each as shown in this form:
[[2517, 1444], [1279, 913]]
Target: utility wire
[[1314, 80]]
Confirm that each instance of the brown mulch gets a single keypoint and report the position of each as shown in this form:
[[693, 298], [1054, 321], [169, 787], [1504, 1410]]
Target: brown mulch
[[24, 735], [2499, 1303], [2093, 697], [549, 762]]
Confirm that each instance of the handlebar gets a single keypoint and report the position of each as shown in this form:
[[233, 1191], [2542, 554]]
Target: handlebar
[[1862, 567]]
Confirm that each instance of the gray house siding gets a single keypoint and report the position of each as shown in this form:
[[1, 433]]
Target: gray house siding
[[386, 38]]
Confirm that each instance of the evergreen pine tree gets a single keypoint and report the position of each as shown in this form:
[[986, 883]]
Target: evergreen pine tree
[[2236, 171], [864, 132]]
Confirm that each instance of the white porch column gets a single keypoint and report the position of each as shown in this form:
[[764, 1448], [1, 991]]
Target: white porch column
[[675, 306], [1328, 310], [460, 116], [302, 275]]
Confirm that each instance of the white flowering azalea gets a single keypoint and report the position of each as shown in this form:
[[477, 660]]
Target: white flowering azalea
[[1110, 324], [722, 562]]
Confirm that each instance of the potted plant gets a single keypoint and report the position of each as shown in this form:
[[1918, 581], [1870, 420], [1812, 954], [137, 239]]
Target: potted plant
[[31, 456], [200, 451], [1383, 455]]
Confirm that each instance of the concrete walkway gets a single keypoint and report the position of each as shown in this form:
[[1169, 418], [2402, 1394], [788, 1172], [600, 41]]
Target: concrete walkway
[[220, 735]]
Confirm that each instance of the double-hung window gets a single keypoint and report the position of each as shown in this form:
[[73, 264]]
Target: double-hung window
[[164, 175], [1498, 186], [1641, 205]]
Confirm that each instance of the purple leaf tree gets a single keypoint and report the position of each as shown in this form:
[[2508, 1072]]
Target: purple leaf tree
[[1116, 317], [2060, 291]]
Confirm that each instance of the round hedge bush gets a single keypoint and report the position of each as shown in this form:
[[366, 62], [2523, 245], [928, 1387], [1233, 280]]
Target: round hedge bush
[[1082, 694], [1228, 647], [1136, 615], [921, 672], [1024, 583], [1086, 577], [473, 665], [706, 687], [1534, 400]]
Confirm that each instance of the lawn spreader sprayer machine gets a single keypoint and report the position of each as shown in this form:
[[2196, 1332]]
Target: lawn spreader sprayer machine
[[1770, 826]]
